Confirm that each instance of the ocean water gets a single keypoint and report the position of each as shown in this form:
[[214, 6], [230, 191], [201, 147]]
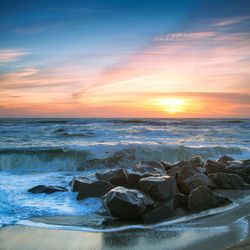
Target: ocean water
[[52, 151]]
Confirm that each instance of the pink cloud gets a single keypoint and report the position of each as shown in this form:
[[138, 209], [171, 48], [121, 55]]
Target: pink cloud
[[232, 21], [11, 55]]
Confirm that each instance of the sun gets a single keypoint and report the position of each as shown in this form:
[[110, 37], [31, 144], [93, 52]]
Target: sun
[[172, 105]]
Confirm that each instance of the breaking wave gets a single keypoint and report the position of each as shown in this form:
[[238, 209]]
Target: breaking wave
[[105, 156]]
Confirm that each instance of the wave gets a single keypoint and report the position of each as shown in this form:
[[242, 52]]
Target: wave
[[105, 156], [62, 133]]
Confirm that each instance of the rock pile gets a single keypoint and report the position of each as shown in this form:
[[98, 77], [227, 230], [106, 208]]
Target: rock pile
[[155, 190]]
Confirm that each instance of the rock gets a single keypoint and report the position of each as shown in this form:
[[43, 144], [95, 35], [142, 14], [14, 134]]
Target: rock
[[196, 161], [241, 168], [134, 178], [228, 181], [174, 171], [76, 181], [90, 188], [127, 203], [47, 189], [180, 201], [150, 168], [185, 172], [159, 188], [166, 165], [224, 159], [203, 198], [160, 213], [195, 181], [117, 177], [180, 164], [214, 167]]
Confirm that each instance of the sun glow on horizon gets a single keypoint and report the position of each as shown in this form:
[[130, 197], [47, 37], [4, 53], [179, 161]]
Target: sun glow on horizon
[[172, 105]]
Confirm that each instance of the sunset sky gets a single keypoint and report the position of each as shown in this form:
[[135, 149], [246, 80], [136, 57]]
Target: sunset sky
[[125, 58]]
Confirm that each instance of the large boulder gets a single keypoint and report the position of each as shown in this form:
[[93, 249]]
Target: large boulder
[[228, 181], [180, 201], [192, 182], [127, 203], [225, 159], [159, 188], [196, 161], [241, 168], [159, 213], [185, 172], [150, 168], [91, 188], [75, 182], [47, 189], [117, 177], [176, 167], [214, 167], [203, 198]]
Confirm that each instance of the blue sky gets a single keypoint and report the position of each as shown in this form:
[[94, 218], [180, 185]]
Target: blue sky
[[70, 47]]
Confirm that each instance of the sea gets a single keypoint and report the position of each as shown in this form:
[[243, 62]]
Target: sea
[[53, 151]]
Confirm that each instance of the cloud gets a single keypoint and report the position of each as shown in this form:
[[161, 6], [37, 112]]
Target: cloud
[[232, 20], [11, 55], [182, 36]]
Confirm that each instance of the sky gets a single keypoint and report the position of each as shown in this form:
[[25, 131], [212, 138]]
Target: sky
[[125, 58]]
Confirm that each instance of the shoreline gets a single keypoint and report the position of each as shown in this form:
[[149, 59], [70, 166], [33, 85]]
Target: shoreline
[[227, 230]]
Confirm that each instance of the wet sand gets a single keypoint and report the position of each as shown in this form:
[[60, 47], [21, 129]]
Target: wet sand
[[219, 231]]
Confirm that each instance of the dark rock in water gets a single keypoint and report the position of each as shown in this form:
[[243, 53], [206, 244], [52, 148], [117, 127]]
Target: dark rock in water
[[174, 171], [180, 201], [241, 168], [214, 167], [203, 198], [180, 164], [75, 183], [134, 178], [47, 189], [127, 203], [159, 188], [228, 181], [162, 212], [89, 188], [196, 161], [224, 159], [117, 177], [166, 165], [150, 168], [185, 172], [195, 181]]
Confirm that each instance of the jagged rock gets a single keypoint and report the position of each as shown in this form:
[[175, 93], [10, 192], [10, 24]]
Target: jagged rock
[[74, 183], [196, 161], [195, 181], [47, 189], [203, 198], [224, 159], [228, 181], [214, 167], [180, 164], [127, 203], [90, 188], [241, 168], [117, 177], [166, 165], [180, 201], [173, 171], [150, 168], [185, 172], [159, 213], [159, 188]]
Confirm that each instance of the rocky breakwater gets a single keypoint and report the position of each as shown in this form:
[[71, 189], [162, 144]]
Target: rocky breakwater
[[154, 191]]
